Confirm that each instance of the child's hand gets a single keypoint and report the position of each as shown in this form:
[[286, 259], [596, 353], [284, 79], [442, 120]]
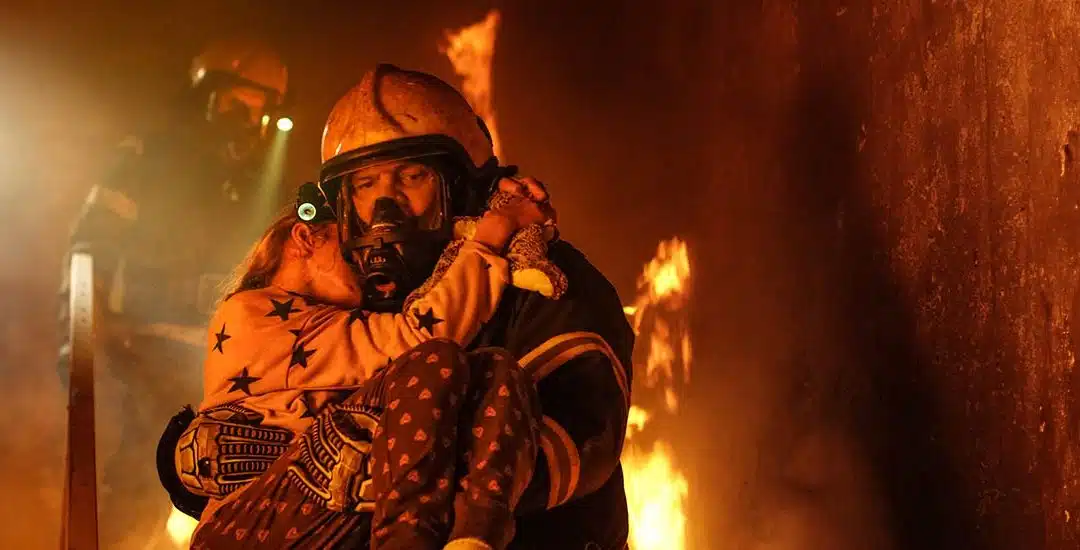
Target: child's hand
[[527, 186], [520, 211], [498, 224]]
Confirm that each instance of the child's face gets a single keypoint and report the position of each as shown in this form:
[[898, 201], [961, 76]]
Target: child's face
[[333, 280]]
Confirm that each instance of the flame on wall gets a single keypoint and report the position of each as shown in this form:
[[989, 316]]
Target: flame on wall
[[656, 490], [470, 50]]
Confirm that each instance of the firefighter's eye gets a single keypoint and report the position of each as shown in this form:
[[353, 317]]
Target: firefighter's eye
[[413, 176]]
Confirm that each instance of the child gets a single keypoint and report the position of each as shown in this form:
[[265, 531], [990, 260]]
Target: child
[[292, 340]]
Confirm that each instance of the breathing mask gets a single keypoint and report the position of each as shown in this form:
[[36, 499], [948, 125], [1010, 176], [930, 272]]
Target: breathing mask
[[393, 254]]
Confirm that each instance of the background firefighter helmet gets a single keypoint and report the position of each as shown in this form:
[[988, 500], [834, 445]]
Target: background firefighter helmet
[[242, 80], [394, 115]]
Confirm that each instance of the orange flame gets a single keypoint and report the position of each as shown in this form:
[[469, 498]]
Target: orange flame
[[656, 490], [664, 285], [656, 496], [470, 50]]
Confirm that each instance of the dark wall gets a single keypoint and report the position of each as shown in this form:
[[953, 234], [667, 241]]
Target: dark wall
[[908, 242]]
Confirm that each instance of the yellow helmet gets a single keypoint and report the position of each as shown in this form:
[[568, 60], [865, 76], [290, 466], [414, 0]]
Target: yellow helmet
[[242, 62], [408, 111]]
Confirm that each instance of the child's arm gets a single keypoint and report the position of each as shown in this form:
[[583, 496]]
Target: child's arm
[[296, 345], [341, 347], [454, 307]]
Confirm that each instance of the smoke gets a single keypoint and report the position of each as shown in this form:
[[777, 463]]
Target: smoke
[[50, 149]]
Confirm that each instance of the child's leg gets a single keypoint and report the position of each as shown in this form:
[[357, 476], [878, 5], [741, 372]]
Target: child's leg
[[440, 406], [501, 443], [318, 495], [415, 451]]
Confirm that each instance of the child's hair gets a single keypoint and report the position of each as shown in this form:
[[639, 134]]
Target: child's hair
[[264, 258]]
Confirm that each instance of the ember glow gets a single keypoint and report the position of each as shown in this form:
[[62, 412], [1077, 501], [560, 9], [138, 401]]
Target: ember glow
[[656, 490], [470, 51]]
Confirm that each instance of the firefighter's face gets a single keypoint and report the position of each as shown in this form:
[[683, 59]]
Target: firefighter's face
[[414, 186], [247, 104]]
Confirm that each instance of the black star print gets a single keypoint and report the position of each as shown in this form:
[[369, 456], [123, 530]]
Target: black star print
[[427, 320], [282, 309], [356, 315], [300, 355], [242, 382], [309, 407], [221, 337], [295, 332]]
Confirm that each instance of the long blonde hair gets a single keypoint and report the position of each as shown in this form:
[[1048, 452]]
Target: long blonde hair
[[264, 258]]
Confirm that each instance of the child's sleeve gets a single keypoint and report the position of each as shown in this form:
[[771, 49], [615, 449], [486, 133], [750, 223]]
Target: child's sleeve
[[345, 347]]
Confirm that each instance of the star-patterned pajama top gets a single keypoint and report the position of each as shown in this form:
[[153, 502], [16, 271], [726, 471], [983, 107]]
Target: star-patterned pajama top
[[282, 355]]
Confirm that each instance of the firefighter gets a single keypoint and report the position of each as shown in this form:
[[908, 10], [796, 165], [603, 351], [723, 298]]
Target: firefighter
[[577, 349], [165, 228]]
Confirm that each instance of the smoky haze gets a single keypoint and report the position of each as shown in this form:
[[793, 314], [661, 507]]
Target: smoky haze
[[856, 383]]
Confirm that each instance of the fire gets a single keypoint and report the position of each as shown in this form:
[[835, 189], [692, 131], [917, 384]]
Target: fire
[[656, 490], [180, 527], [470, 50], [656, 496], [664, 287]]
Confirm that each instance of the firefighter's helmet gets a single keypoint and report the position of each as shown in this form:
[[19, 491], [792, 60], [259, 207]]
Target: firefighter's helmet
[[398, 115], [392, 108], [242, 82], [242, 62]]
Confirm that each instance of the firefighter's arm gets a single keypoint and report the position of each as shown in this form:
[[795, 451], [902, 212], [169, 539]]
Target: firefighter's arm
[[110, 208], [581, 365], [106, 215]]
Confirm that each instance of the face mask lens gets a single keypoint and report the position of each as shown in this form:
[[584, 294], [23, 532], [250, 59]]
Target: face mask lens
[[415, 186], [393, 224]]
